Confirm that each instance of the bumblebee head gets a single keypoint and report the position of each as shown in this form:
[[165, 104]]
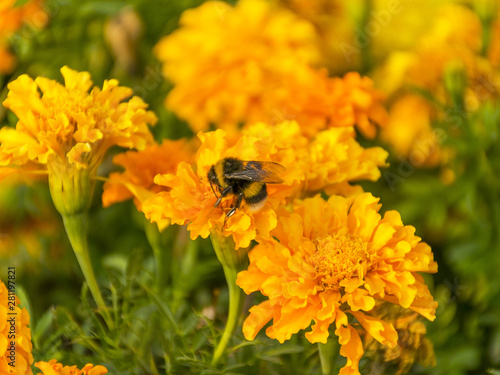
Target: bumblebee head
[[212, 176]]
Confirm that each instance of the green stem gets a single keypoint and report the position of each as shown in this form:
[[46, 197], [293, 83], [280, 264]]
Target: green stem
[[232, 262], [161, 253], [328, 354], [76, 228]]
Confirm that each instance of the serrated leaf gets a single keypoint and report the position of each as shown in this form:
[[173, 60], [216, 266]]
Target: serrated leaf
[[42, 325]]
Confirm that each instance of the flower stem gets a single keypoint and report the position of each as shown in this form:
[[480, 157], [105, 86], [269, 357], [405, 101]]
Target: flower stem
[[232, 262], [328, 355], [162, 254], [76, 229]]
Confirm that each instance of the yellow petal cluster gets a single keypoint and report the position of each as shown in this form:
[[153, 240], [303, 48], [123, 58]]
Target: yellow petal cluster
[[327, 163], [69, 126], [140, 169], [412, 348], [15, 339], [332, 259], [12, 18], [54, 368], [255, 62]]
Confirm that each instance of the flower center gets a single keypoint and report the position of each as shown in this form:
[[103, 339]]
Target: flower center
[[339, 257]]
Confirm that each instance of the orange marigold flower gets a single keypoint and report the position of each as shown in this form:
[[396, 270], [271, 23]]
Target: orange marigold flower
[[334, 258], [54, 368], [413, 347], [189, 199], [67, 130], [140, 169], [15, 335], [12, 17], [218, 78], [326, 102]]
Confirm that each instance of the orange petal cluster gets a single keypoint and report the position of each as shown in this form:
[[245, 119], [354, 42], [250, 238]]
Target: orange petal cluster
[[332, 259], [329, 162], [14, 332], [54, 368], [12, 18], [140, 169]]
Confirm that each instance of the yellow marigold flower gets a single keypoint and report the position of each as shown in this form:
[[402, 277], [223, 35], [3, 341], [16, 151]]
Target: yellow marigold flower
[[334, 258], [54, 368], [12, 17], [329, 162], [67, 130], [455, 36], [412, 348], [15, 335], [141, 167], [409, 131], [446, 62]]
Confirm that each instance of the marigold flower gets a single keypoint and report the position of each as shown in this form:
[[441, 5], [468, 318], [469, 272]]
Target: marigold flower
[[409, 132], [329, 162], [67, 130], [12, 17], [15, 335], [219, 80], [141, 167], [54, 368], [446, 62], [412, 348], [333, 258]]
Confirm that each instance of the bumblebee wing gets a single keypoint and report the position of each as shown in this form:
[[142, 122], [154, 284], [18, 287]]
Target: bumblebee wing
[[259, 171]]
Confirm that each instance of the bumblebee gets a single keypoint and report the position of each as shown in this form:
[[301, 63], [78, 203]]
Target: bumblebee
[[246, 180]]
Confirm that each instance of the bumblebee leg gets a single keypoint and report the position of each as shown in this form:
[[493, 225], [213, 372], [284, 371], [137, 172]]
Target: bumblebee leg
[[212, 187], [237, 205], [224, 192]]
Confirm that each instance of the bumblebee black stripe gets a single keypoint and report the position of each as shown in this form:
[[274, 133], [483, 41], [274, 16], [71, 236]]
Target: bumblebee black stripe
[[257, 198]]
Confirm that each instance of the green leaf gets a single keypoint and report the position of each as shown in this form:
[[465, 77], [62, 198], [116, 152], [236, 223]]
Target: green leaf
[[42, 326]]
